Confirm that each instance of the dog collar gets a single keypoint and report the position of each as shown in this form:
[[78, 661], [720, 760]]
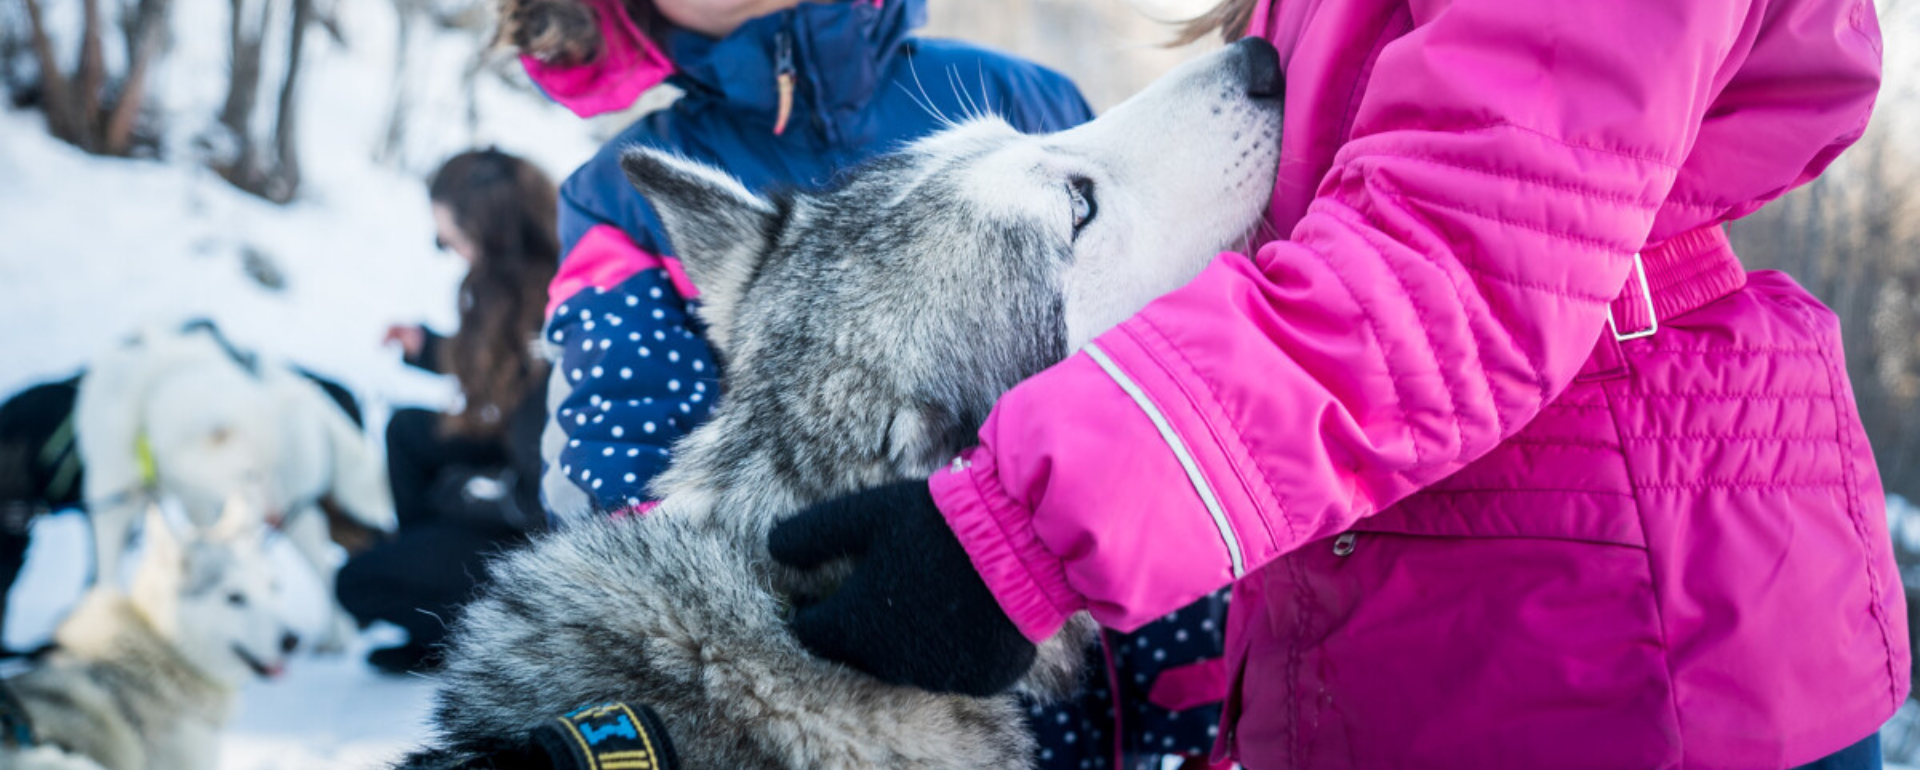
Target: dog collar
[[143, 459], [610, 736]]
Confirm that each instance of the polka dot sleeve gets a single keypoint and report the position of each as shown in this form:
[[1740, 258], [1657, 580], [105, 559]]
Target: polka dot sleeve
[[637, 376]]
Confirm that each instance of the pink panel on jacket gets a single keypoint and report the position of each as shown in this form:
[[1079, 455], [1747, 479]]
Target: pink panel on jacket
[[605, 257], [601, 259]]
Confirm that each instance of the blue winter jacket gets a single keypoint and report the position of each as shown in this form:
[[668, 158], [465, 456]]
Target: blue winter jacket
[[634, 374]]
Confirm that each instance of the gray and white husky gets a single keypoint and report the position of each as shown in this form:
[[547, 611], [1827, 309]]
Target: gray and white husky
[[866, 332], [146, 680]]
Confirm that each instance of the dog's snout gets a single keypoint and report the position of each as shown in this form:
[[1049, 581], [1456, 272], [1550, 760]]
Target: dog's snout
[[1260, 64], [289, 642]]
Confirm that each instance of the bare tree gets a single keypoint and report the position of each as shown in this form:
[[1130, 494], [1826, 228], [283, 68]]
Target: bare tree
[[409, 14], [88, 106], [419, 20], [264, 162], [1852, 237]]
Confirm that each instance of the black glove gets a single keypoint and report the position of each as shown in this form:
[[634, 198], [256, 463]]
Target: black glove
[[914, 611]]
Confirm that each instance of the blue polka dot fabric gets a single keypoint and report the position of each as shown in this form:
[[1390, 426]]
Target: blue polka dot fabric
[[1080, 734], [638, 376]]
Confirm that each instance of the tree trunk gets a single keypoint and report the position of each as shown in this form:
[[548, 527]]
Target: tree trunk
[[63, 121], [286, 172], [245, 41], [91, 77], [144, 39], [393, 143]]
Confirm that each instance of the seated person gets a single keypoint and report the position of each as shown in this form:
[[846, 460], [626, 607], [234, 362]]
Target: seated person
[[466, 483]]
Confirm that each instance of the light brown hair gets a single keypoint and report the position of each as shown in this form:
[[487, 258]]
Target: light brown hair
[[1229, 19]]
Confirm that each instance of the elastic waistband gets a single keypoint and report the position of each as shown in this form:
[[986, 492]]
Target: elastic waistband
[[1684, 273]]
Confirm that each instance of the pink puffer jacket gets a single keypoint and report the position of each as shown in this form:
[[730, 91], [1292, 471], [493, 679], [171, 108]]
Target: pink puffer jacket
[[1461, 533]]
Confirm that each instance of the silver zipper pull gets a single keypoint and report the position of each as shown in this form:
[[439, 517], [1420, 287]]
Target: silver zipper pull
[[1343, 544]]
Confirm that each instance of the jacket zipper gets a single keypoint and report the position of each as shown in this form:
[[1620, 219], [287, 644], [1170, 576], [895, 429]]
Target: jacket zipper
[[1343, 545], [1180, 453]]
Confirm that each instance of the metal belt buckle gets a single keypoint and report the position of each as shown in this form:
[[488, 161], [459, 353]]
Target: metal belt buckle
[[1646, 293]]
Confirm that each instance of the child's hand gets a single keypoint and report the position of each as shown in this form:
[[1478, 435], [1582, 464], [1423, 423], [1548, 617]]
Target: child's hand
[[913, 611], [410, 337]]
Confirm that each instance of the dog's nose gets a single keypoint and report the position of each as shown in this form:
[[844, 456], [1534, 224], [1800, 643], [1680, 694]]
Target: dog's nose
[[288, 642], [1260, 62]]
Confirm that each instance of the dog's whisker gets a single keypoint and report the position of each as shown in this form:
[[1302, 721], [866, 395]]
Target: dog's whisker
[[928, 108], [955, 84], [914, 70], [986, 96]]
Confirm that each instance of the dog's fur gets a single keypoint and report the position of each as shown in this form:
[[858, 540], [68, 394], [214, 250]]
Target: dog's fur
[[146, 681], [218, 423], [866, 333]]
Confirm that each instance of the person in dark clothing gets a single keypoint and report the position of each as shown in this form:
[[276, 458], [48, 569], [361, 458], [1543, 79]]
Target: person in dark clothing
[[40, 469], [466, 483]]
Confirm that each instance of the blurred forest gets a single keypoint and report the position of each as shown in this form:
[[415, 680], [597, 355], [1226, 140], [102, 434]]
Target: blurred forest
[[1852, 237], [1111, 48]]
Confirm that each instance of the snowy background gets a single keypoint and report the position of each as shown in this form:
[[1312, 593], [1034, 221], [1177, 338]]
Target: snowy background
[[92, 248]]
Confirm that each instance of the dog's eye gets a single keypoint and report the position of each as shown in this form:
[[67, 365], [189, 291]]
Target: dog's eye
[[1080, 191], [237, 599]]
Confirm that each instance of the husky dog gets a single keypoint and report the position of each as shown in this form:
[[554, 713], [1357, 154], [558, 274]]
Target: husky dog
[[145, 681], [866, 330], [182, 414]]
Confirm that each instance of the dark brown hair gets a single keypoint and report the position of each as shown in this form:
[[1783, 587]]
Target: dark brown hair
[[507, 207], [1229, 19], [566, 32]]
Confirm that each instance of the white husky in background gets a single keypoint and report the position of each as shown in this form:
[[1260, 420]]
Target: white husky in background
[[179, 414], [146, 680]]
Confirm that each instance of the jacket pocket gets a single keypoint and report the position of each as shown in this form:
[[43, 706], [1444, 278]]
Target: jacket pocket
[[1505, 617], [1562, 477]]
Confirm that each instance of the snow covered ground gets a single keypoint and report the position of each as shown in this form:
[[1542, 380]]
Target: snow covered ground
[[325, 713]]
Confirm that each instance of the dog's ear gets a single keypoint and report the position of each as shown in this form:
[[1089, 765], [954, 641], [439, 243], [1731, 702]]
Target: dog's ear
[[718, 229]]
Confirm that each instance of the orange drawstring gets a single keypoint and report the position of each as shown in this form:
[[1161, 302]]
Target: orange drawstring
[[785, 81], [783, 76]]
